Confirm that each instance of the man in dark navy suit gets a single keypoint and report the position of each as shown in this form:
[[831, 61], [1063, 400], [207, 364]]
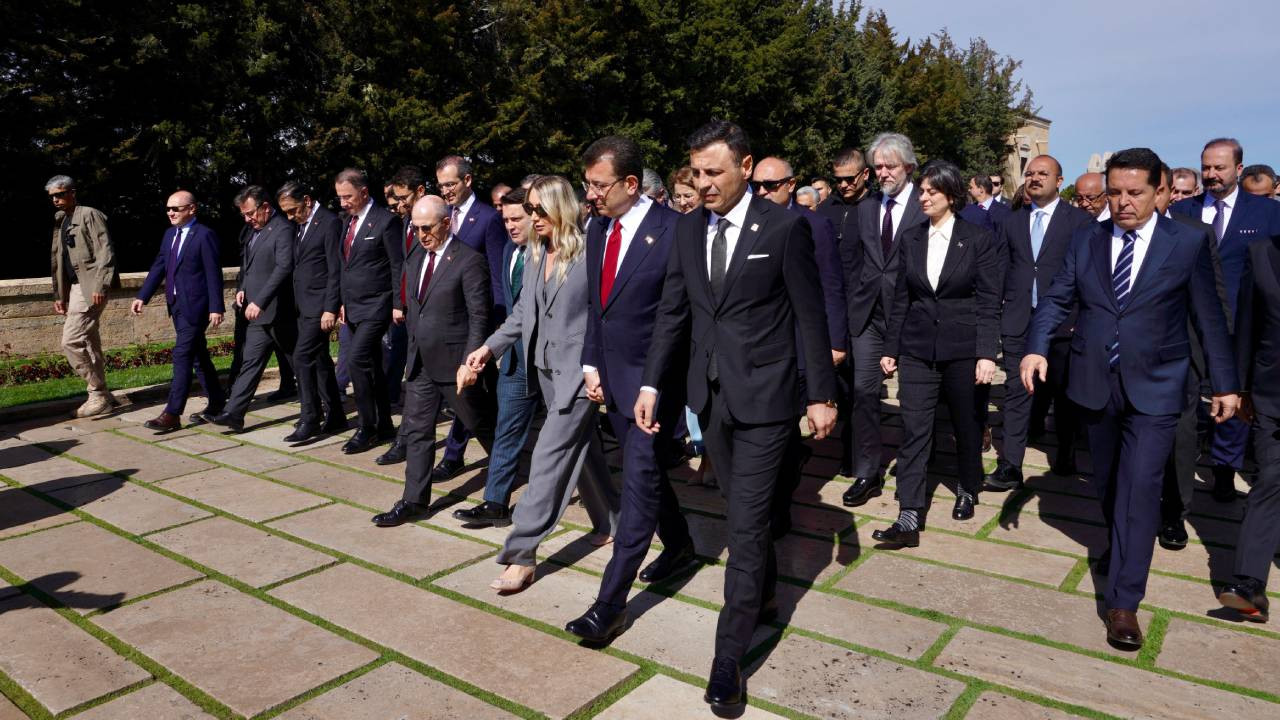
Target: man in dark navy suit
[[985, 210], [479, 227], [1134, 278], [188, 264], [1237, 218], [628, 247]]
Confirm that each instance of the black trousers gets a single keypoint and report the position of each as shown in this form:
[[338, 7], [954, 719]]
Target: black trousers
[[1180, 469], [317, 380], [423, 400], [364, 365], [284, 357], [1260, 531], [260, 341], [868, 381], [1020, 410], [648, 503], [747, 459], [921, 385]]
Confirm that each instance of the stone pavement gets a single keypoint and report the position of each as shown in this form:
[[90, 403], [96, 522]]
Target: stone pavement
[[196, 574]]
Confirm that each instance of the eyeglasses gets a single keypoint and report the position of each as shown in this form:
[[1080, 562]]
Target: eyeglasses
[[1088, 199], [847, 179], [424, 229], [177, 208], [773, 185], [538, 210], [599, 189], [59, 195], [450, 185]]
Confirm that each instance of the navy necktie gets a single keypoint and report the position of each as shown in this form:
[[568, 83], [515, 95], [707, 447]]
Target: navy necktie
[[170, 289], [886, 229], [1121, 284]]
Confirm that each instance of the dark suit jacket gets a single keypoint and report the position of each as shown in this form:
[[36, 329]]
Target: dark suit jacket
[[453, 317], [959, 320], [1197, 374], [482, 231], [771, 284], [370, 278], [410, 241], [826, 251], [873, 287], [198, 276], [1253, 218], [620, 332], [265, 268], [1023, 267], [510, 360], [316, 262], [1176, 273], [1258, 326]]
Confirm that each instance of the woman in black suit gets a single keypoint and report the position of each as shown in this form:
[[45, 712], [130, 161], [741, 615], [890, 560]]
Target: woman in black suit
[[943, 334]]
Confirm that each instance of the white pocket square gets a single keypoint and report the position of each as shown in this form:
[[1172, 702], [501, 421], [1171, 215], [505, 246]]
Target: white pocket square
[[371, 237], [757, 257]]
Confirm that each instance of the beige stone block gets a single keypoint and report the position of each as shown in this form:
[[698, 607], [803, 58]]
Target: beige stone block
[[87, 568], [249, 497], [1221, 654], [1077, 679], [665, 698], [138, 432], [820, 521], [1054, 534], [1171, 593], [1213, 531], [1196, 560], [157, 701], [253, 459], [273, 436], [59, 664], [574, 549], [410, 549], [273, 411], [34, 467], [198, 443], [550, 675], [1071, 507], [998, 706], [992, 557], [21, 512], [240, 551], [442, 517], [365, 461], [141, 461], [244, 652], [394, 691], [9, 711], [344, 484], [832, 682], [984, 600], [128, 506], [55, 430]]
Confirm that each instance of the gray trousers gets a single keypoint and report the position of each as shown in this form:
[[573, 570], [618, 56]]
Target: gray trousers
[[567, 449]]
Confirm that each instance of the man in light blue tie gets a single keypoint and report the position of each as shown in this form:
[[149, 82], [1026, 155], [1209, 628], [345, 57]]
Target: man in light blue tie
[[1036, 238]]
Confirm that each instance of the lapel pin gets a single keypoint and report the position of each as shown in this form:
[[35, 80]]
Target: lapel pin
[[755, 227], [959, 244], [648, 239]]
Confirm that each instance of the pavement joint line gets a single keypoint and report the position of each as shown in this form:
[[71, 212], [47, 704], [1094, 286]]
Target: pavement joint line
[[300, 511], [1154, 639], [976, 571], [963, 704], [174, 526], [143, 598], [322, 688], [1071, 582], [300, 576]]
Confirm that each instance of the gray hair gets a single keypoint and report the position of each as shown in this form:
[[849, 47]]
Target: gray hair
[[60, 181], [652, 183], [808, 190], [895, 144]]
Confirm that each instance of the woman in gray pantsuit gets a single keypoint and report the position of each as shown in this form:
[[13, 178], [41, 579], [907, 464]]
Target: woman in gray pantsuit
[[551, 318]]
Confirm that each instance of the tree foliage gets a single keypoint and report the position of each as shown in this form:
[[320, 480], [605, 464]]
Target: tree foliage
[[138, 99]]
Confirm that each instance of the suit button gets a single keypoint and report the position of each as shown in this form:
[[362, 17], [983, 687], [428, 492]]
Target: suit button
[[937, 322]]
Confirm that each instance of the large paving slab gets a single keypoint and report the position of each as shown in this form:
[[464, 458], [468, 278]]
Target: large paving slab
[[549, 675], [43, 431], [1195, 560], [849, 620], [1073, 507], [343, 484], [1222, 654], [273, 436], [803, 558], [394, 691], [9, 711], [37, 469], [59, 664], [252, 459], [1053, 533], [1171, 593], [249, 497], [240, 551], [139, 460], [664, 698], [198, 443], [1108, 687], [128, 506], [21, 512], [157, 701], [410, 549], [365, 461], [833, 682], [992, 557], [885, 507], [984, 600], [87, 568], [244, 652], [998, 706], [573, 548]]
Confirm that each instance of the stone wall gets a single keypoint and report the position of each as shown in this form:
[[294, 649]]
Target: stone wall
[[29, 326]]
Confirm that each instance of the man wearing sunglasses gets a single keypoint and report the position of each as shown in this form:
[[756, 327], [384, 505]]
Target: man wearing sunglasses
[[84, 267], [997, 188]]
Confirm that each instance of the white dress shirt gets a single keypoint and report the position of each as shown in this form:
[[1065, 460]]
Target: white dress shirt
[[180, 238], [939, 244], [463, 209], [986, 204], [630, 220], [1208, 211], [1105, 215], [360, 216], [439, 254], [315, 206], [1139, 246], [899, 207], [737, 216]]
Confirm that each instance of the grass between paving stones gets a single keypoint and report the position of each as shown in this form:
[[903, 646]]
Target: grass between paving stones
[[1073, 578]]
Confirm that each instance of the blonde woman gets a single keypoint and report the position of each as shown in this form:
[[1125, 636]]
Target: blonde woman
[[550, 319]]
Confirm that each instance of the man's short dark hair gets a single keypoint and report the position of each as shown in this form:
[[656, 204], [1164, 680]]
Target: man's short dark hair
[[462, 164], [849, 155], [623, 154], [947, 179], [294, 190], [1255, 171], [256, 192], [721, 131], [1166, 175], [355, 177], [514, 197], [984, 181], [1236, 149], [1136, 159], [409, 176]]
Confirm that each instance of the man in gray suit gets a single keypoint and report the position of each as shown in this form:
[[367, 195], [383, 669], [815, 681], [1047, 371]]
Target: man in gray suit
[[266, 294], [446, 312]]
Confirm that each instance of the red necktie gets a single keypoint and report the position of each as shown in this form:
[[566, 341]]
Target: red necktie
[[611, 251], [426, 276], [351, 238]]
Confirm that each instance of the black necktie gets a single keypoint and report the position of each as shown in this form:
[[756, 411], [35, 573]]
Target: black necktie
[[719, 257], [886, 229]]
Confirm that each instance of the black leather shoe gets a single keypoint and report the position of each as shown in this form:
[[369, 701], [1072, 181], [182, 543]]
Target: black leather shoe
[[600, 624], [724, 687], [486, 513], [964, 508], [1173, 535], [393, 455], [1224, 483], [1003, 479], [1248, 596], [896, 535], [862, 490], [400, 513], [446, 469], [667, 563], [284, 393], [334, 424], [202, 418], [1065, 465], [226, 420], [359, 442], [304, 431]]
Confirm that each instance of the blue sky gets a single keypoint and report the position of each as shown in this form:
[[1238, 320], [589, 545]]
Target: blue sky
[[1114, 74]]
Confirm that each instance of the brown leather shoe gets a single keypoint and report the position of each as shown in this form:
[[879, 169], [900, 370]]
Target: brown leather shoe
[[986, 438], [164, 422], [1122, 629]]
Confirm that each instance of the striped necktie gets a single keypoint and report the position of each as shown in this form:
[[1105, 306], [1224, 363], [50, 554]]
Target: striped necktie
[[1120, 283]]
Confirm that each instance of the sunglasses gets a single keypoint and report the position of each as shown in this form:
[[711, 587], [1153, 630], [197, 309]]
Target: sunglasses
[[847, 179], [538, 210], [773, 185], [177, 208]]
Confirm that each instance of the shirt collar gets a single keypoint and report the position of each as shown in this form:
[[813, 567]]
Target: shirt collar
[[632, 218], [945, 229], [315, 207], [986, 204], [1144, 232], [738, 214], [445, 246], [904, 193], [1053, 205], [1229, 201], [466, 205]]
